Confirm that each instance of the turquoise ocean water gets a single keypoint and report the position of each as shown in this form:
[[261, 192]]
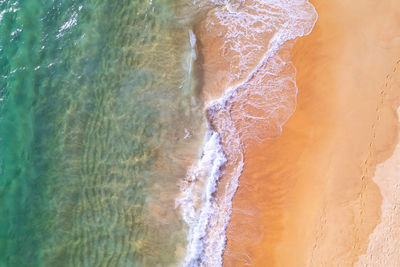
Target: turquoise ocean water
[[96, 97]]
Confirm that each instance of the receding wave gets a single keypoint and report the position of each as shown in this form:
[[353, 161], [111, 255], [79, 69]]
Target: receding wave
[[249, 84]]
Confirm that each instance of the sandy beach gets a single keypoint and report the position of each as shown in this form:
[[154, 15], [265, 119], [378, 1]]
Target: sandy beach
[[315, 196]]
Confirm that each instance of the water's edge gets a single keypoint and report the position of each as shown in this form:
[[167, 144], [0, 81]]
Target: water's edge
[[208, 212]]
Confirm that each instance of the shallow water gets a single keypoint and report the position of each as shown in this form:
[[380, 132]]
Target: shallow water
[[96, 99]]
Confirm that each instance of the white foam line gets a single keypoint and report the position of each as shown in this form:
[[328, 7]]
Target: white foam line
[[212, 160]]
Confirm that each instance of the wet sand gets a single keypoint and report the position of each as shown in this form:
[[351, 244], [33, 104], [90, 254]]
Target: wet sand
[[243, 104], [309, 198]]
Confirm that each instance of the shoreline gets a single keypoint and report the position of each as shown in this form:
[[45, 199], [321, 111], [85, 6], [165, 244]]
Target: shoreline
[[234, 69], [308, 198]]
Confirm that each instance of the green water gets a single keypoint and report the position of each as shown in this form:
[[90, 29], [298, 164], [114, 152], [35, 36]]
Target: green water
[[95, 99]]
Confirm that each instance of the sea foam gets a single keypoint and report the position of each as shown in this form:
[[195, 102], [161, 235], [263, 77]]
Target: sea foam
[[259, 100]]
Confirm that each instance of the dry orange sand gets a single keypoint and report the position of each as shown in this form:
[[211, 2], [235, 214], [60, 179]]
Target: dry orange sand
[[384, 245], [308, 198]]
